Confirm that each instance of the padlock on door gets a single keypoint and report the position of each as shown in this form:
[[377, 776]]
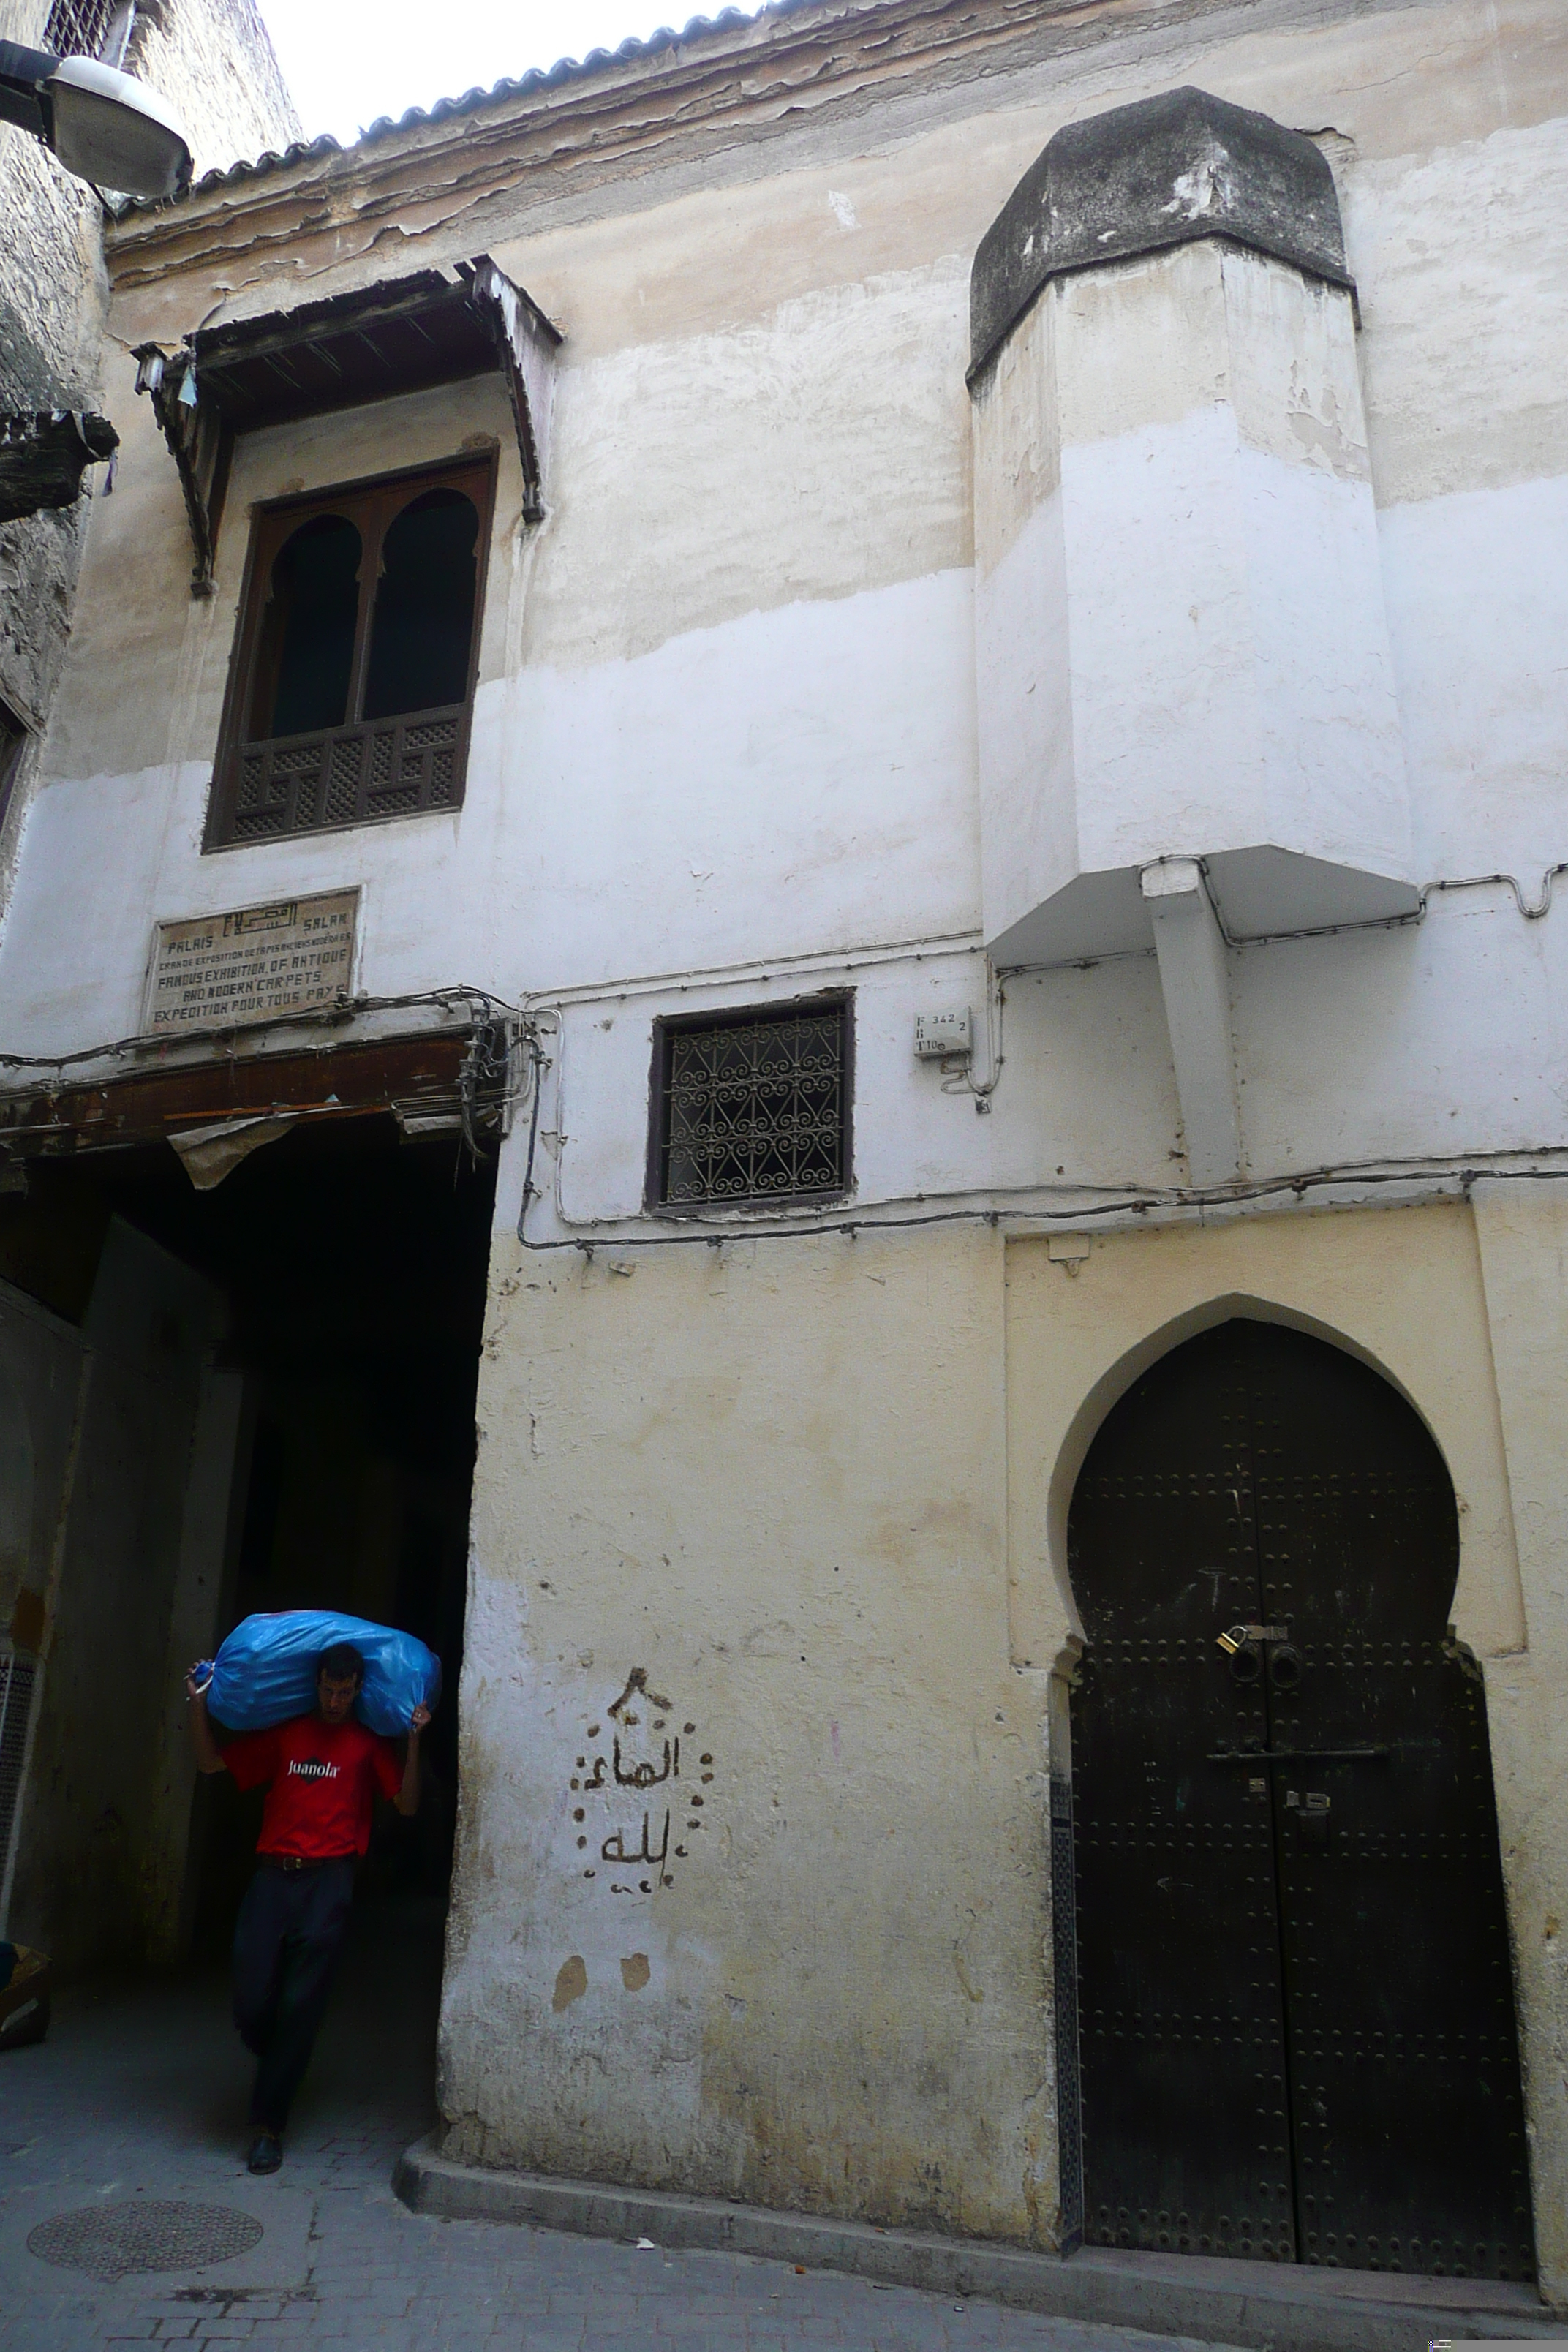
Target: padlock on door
[[1236, 1636], [1309, 1811], [1242, 1646]]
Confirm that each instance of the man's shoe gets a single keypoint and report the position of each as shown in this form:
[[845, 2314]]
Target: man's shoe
[[266, 2154]]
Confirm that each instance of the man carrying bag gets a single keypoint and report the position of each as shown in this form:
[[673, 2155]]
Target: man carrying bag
[[322, 1771]]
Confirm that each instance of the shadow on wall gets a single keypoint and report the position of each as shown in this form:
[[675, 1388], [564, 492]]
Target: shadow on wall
[[98, 1872]]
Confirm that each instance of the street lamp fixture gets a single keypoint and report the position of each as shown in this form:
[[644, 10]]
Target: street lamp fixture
[[102, 126]]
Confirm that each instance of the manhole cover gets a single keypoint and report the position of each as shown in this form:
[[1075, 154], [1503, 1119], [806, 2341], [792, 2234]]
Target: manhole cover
[[110, 2241]]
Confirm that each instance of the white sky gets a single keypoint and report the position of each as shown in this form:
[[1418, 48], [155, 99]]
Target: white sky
[[347, 61]]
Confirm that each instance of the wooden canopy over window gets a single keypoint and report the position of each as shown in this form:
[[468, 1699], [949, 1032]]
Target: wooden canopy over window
[[404, 335]]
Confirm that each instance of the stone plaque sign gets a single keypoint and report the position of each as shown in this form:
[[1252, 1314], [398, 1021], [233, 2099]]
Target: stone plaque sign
[[218, 971]]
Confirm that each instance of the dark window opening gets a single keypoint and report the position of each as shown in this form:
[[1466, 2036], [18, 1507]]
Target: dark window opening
[[13, 743], [352, 683], [753, 1108], [306, 655], [424, 622]]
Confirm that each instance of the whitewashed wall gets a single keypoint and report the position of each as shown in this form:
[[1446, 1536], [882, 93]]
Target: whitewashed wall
[[724, 752], [726, 709]]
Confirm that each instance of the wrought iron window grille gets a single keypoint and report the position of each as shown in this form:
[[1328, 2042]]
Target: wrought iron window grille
[[753, 1108], [81, 28]]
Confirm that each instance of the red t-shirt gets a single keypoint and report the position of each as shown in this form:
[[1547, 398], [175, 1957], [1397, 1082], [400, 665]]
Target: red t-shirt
[[323, 1778]]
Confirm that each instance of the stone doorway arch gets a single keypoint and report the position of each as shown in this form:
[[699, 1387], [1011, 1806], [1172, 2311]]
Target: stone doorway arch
[[1296, 2026]]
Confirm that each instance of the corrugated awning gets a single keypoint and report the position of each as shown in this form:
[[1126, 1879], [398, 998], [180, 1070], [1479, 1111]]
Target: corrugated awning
[[404, 335]]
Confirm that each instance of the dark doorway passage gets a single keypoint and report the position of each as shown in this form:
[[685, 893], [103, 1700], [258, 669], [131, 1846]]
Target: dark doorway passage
[[1297, 2029], [349, 1267]]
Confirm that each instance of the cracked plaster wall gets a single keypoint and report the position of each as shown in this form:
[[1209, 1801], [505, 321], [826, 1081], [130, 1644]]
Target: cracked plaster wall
[[53, 302], [212, 61]]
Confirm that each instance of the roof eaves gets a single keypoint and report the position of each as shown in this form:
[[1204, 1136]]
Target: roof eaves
[[698, 31]]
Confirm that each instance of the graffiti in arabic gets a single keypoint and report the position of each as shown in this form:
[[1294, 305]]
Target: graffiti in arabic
[[643, 1753]]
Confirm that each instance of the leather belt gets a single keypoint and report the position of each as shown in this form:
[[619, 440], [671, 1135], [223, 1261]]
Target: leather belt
[[292, 1861]]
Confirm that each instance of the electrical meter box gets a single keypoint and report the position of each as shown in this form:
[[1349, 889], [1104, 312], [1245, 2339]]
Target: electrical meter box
[[939, 1034]]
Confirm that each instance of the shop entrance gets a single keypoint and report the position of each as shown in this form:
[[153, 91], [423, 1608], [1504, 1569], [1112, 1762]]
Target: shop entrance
[[1296, 2031]]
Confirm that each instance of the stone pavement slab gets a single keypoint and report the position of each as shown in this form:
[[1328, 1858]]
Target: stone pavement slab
[[139, 2093]]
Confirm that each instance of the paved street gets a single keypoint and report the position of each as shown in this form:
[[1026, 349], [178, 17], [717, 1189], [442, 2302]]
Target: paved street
[[138, 2099]]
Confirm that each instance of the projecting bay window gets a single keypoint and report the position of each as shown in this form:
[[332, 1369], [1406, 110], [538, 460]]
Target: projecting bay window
[[351, 689]]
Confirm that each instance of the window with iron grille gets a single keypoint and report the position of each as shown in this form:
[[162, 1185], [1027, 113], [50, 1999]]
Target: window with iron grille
[[352, 687], [754, 1107], [77, 28]]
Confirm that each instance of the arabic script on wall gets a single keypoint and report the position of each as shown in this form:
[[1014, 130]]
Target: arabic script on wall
[[640, 1783]]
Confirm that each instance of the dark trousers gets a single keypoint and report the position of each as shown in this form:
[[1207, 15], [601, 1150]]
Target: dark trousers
[[285, 1945]]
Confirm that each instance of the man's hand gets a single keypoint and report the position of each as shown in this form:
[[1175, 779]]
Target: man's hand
[[208, 1757], [408, 1798]]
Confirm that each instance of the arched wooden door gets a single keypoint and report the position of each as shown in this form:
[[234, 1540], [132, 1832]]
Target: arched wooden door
[[1297, 2031]]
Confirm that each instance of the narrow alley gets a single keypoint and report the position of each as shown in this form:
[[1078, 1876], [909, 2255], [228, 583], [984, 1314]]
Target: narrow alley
[[137, 2097]]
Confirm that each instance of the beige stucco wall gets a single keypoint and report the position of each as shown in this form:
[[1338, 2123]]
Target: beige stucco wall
[[771, 1477], [1523, 1236], [817, 1489]]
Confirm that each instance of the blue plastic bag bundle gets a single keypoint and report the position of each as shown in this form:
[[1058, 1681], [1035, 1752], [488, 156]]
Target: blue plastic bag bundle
[[266, 1671]]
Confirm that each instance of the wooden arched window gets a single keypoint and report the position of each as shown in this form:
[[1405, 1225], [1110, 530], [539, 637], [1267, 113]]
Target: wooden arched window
[[351, 686]]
